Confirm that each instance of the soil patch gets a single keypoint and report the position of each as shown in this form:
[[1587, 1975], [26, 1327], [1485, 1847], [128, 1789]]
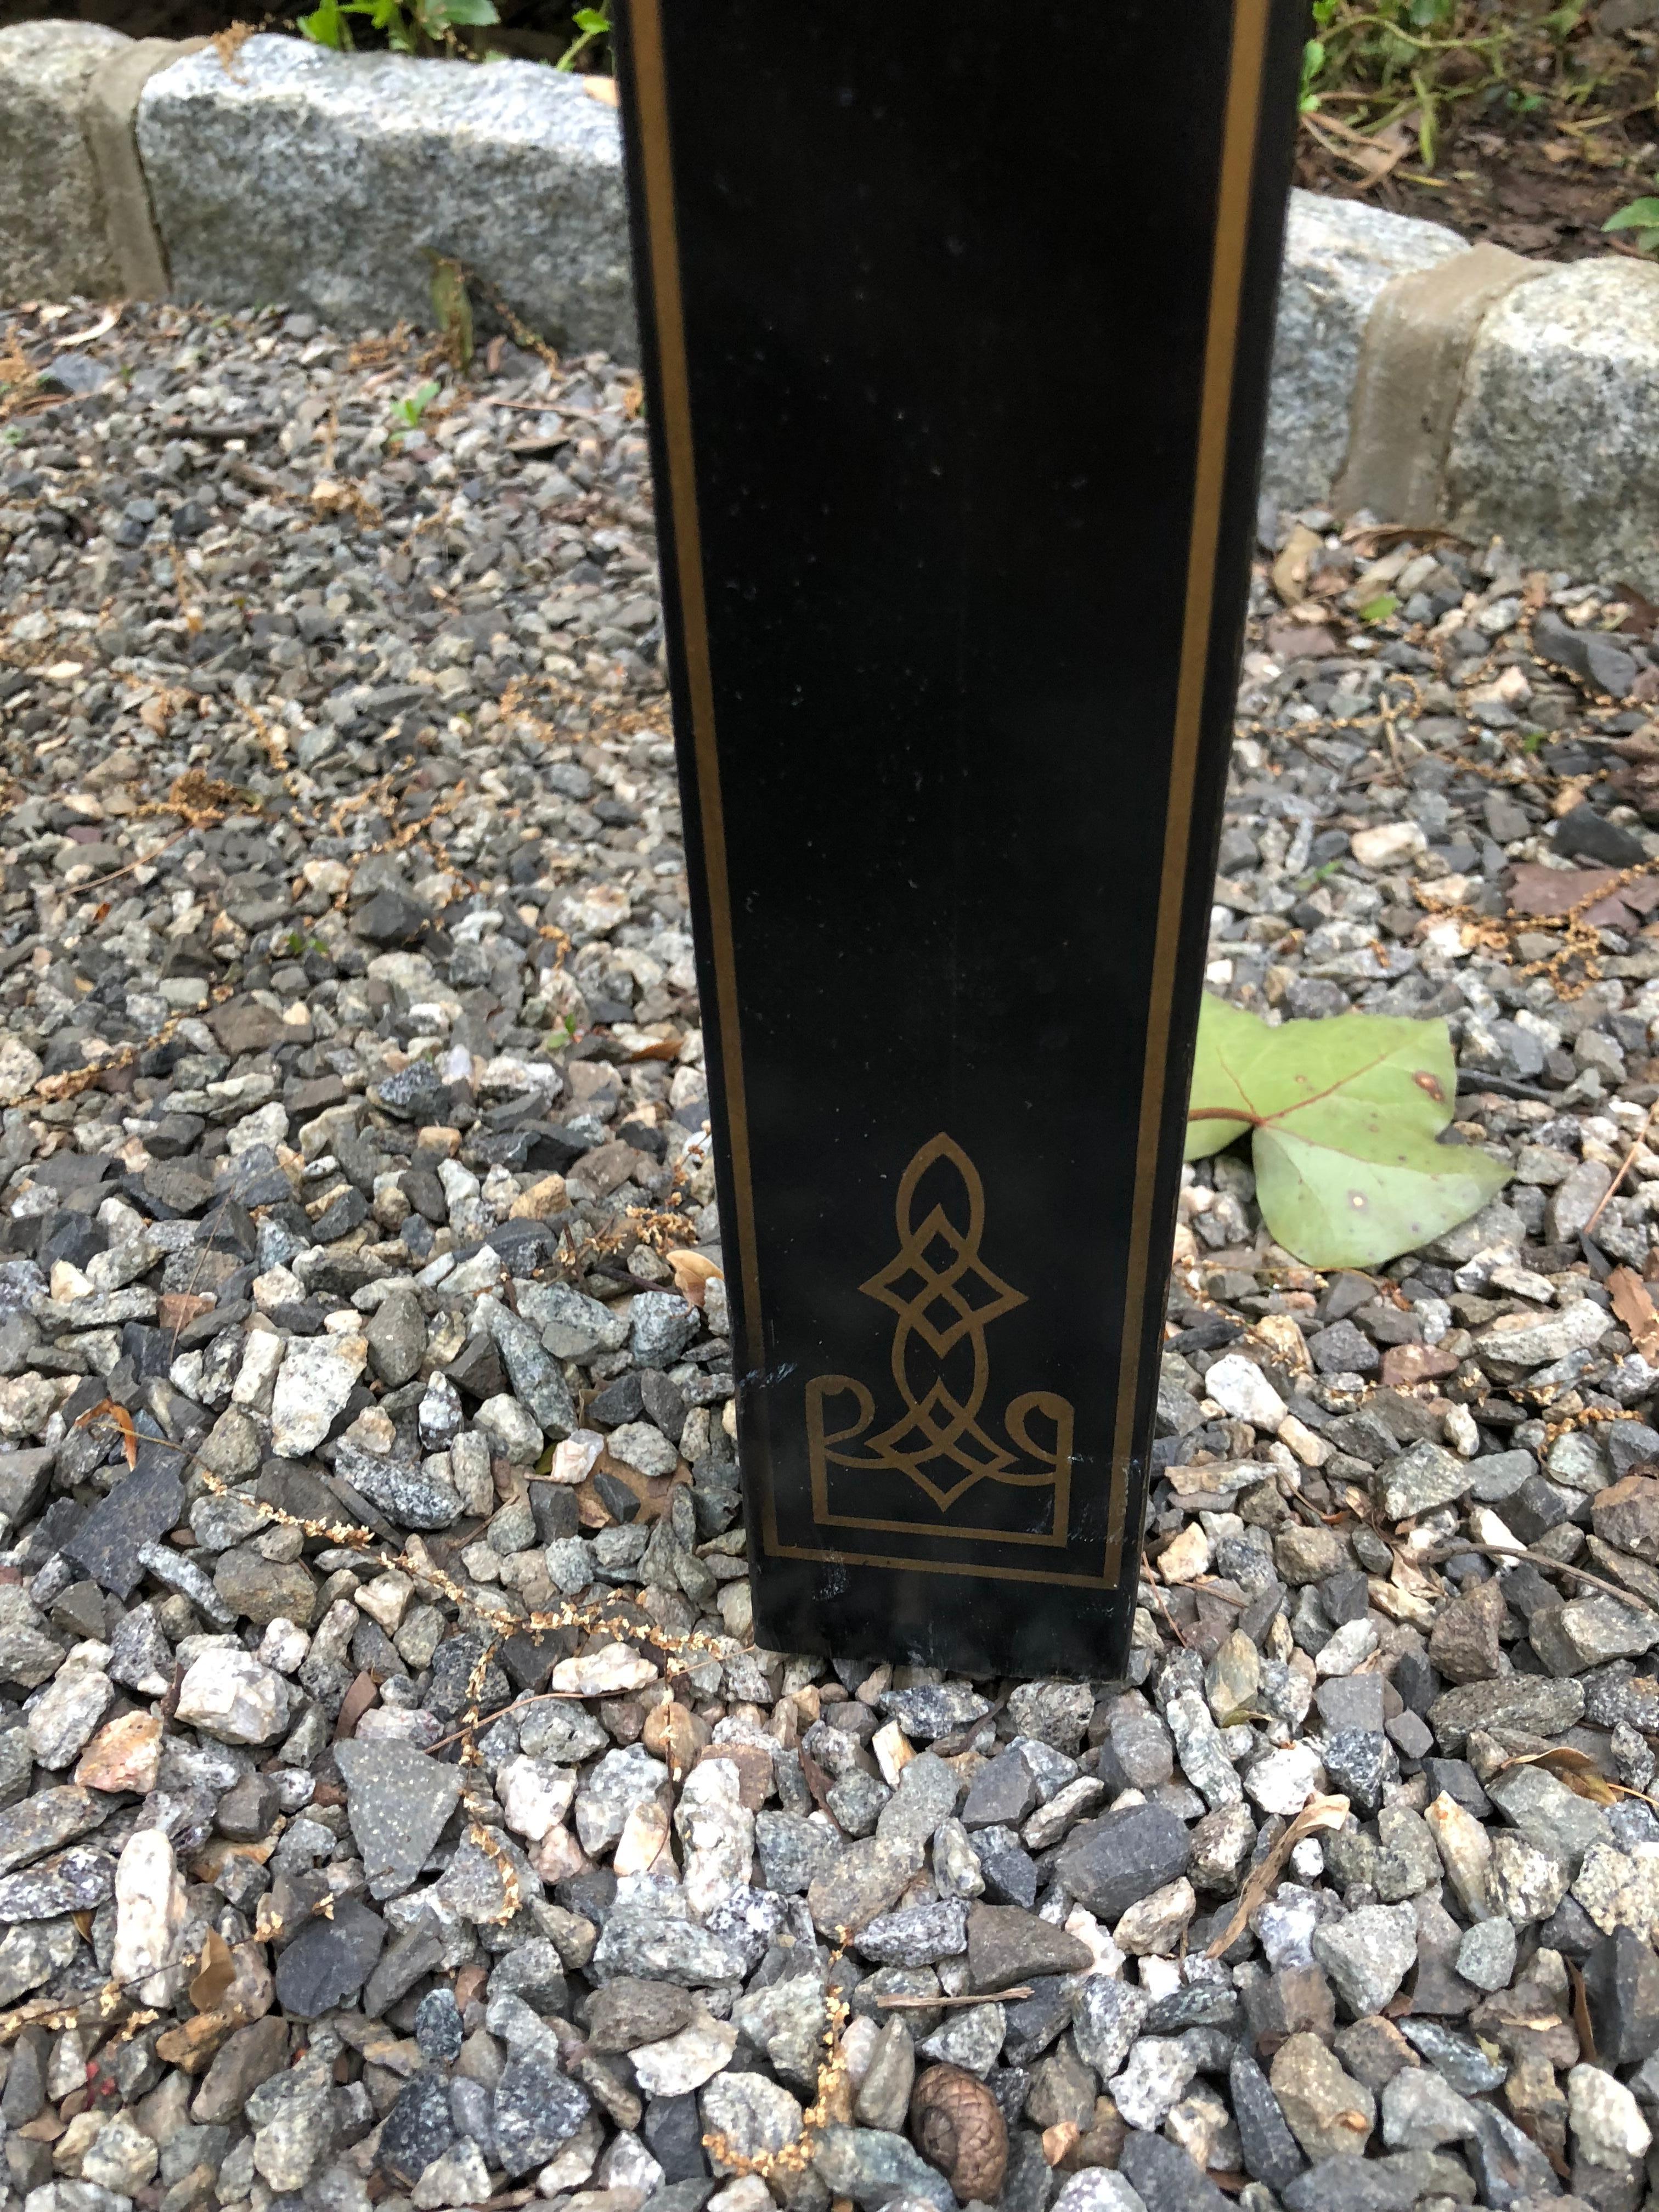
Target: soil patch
[[1537, 126]]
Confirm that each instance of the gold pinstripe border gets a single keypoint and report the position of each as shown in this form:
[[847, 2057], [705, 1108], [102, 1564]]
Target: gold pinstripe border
[[1240, 131]]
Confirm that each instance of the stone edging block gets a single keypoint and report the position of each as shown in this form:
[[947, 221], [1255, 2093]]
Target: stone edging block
[[51, 200], [1425, 381], [1339, 256], [1412, 368], [1414, 378], [335, 181], [1557, 443], [107, 122]]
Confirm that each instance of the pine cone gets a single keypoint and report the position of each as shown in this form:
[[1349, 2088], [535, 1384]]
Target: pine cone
[[958, 2126]]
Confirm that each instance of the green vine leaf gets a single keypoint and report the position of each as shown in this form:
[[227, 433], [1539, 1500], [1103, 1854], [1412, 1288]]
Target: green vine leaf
[[1343, 1115]]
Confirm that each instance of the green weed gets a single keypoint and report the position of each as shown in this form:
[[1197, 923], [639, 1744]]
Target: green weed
[[1374, 63], [590, 23], [1642, 217], [409, 26], [406, 413]]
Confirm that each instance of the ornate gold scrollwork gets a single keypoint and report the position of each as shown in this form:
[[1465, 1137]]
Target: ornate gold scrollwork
[[944, 1297]]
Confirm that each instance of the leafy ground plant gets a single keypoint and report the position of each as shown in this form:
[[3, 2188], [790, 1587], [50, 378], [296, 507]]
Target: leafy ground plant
[[409, 26], [1343, 1117], [1642, 218], [1372, 64], [593, 24], [406, 413]]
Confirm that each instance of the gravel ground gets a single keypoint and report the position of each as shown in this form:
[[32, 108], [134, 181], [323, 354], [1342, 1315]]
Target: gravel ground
[[356, 1174]]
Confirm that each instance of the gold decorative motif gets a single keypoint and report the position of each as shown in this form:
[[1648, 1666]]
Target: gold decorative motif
[[945, 1299]]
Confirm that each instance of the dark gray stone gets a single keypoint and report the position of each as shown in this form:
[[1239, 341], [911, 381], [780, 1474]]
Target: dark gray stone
[[1009, 1869], [672, 2128], [417, 2129], [1622, 1988], [330, 1960], [397, 1800], [536, 2109], [438, 2029], [1271, 2151], [1007, 1946], [1001, 1794], [1508, 2166], [1110, 1864], [1164, 2178], [626, 2014], [1381, 2184], [1458, 2058], [138, 1511]]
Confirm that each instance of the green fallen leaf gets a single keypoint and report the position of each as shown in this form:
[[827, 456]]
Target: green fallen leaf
[[1643, 217], [1379, 609], [1344, 1115]]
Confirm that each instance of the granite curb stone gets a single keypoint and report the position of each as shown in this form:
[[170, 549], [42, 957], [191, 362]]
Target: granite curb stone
[[1414, 378], [335, 182]]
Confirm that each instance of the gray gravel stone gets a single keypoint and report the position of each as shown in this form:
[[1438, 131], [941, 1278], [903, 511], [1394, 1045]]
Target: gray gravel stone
[[398, 1800], [919, 1936], [875, 2168], [1527, 1702], [1486, 1954]]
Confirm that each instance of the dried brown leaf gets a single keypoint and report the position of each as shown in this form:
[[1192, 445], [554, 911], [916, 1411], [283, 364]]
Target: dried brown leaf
[[1317, 1816], [692, 1275], [1581, 2017], [123, 1420], [214, 1975], [1295, 560], [1634, 1307], [1577, 1769]]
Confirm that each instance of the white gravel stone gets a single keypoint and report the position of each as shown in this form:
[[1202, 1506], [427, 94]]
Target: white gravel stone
[[717, 1834], [1154, 2081], [684, 2061], [535, 1795], [1606, 2120], [1284, 1781], [313, 1384], [1242, 1390], [150, 1912], [228, 1694]]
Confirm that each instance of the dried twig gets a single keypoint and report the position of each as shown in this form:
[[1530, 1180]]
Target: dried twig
[[1317, 1815], [1624, 1166], [1451, 1551], [889, 2004]]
